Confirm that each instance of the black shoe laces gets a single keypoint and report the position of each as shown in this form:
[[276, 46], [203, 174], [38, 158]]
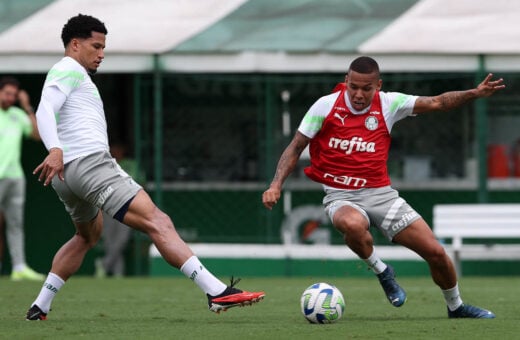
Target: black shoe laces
[[234, 282]]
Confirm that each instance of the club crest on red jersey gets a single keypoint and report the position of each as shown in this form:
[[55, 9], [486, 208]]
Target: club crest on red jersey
[[371, 123]]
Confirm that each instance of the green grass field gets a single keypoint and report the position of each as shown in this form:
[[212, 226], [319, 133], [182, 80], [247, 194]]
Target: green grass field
[[174, 308]]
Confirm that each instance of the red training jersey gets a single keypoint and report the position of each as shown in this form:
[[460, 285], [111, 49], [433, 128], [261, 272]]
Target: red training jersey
[[350, 151]]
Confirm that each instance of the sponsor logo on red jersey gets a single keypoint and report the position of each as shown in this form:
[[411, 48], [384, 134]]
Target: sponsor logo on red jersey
[[355, 144]]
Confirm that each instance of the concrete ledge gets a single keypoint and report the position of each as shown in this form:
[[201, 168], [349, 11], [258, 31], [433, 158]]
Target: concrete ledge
[[486, 252], [276, 251], [268, 260]]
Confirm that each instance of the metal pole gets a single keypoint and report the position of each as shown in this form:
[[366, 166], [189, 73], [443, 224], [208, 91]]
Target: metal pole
[[138, 142], [481, 133], [269, 146], [286, 130], [158, 121], [137, 151]]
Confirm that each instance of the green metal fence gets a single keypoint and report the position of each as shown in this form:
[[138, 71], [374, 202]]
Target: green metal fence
[[222, 134], [209, 144]]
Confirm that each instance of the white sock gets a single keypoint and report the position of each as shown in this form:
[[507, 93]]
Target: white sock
[[19, 267], [452, 297], [51, 286], [203, 278], [375, 263]]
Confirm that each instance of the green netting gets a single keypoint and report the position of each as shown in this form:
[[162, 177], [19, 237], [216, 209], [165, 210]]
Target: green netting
[[223, 134]]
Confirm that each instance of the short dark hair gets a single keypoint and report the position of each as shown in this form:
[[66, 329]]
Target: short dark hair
[[9, 81], [81, 26], [364, 65]]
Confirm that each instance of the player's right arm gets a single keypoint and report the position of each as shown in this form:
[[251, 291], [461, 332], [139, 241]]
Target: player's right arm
[[52, 100], [309, 127], [285, 167]]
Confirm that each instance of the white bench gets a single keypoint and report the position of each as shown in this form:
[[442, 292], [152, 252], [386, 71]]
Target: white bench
[[477, 221]]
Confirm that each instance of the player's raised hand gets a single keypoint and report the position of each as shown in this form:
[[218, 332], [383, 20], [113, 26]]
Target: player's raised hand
[[24, 99], [488, 86], [51, 166]]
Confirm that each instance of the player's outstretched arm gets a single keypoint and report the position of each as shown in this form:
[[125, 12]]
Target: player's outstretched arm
[[286, 165], [450, 100]]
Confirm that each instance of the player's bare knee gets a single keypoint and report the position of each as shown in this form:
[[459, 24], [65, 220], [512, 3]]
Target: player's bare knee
[[437, 256], [91, 238], [91, 231], [349, 224]]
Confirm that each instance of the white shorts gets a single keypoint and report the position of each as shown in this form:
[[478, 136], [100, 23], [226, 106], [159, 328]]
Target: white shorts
[[94, 182], [382, 207]]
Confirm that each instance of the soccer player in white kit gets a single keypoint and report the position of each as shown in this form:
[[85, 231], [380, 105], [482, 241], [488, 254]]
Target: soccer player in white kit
[[348, 133], [88, 180]]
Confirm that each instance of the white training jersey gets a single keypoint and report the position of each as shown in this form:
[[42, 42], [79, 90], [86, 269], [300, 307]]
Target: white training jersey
[[81, 122], [395, 105]]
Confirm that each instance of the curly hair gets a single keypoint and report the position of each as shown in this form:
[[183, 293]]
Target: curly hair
[[364, 65], [81, 26]]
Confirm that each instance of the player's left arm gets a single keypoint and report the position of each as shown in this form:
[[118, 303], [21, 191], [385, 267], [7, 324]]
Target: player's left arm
[[450, 100]]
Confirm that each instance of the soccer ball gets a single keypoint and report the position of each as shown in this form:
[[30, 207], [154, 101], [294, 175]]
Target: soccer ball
[[322, 303]]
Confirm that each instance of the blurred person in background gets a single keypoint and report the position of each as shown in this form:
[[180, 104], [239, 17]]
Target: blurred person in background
[[2, 240], [73, 127], [348, 133], [15, 124]]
